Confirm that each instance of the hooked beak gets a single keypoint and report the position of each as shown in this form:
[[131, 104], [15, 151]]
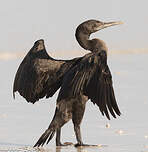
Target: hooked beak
[[108, 24], [112, 24]]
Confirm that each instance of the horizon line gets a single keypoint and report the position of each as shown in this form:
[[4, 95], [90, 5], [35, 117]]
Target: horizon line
[[60, 54]]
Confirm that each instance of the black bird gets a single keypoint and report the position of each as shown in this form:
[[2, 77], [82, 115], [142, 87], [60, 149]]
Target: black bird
[[79, 80]]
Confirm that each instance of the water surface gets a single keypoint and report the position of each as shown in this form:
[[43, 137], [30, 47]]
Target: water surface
[[21, 124]]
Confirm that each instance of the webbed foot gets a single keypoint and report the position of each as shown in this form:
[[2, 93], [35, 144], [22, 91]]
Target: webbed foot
[[65, 144], [84, 145]]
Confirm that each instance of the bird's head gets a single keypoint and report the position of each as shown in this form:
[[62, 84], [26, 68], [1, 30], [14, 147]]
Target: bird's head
[[92, 26], [85, 29]]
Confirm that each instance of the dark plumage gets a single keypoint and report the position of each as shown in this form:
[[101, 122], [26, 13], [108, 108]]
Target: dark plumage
[[39, 75], [80, 79]]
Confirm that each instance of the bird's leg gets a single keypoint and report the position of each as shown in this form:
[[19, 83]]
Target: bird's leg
[[58, 137], [77, 116], [78, 135]]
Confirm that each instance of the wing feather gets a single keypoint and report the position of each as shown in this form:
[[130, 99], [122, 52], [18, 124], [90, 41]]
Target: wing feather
[[109, 103], [92, 77], [39, 75]]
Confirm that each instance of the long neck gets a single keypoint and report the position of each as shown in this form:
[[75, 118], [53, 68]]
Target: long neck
[[91, 45], [83, 39]]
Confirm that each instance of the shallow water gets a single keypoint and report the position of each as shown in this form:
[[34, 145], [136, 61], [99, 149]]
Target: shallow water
[[21, 123]]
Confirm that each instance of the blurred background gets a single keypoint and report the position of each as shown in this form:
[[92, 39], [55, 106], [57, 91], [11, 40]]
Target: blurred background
[[23, 22]]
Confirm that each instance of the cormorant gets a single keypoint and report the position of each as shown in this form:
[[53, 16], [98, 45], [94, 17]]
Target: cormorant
[[79, 80]]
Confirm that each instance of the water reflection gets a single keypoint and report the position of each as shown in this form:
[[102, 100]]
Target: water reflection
[[77, 149], [80, 149], [127, 133]]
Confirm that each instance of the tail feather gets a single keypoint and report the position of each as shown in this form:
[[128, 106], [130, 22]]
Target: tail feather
[[51, 136], [48, 134]]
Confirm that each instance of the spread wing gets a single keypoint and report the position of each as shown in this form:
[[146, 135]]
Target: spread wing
[[92, 78], [39, 75]]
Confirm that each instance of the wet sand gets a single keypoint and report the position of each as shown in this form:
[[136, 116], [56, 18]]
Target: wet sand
[[21, 123]]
